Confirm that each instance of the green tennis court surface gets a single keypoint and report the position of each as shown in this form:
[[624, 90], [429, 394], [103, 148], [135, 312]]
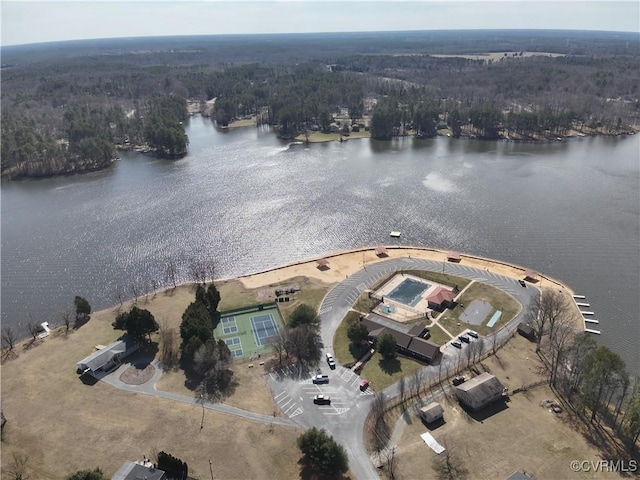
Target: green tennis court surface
[[248, 332]]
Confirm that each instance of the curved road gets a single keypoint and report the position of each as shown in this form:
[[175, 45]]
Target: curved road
[[350, 432], [344, 419]]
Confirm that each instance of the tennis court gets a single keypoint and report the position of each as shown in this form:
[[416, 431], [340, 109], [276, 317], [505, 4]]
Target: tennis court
[[249, 331]]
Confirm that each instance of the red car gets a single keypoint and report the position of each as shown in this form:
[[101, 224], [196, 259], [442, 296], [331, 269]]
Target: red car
[[364, 384]]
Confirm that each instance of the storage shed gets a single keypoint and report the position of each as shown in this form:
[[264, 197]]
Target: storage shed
[[527, 331], [480, 391], [431, 412]]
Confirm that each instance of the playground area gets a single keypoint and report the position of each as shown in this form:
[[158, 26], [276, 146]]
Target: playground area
[[249, 331]]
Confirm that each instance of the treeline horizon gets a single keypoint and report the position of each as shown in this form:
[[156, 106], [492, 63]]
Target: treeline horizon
[[298, 82]]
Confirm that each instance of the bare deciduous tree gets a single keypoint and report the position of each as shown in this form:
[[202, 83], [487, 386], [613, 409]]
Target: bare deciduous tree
[[280, 344], [135, 290], [118, 295], [391, 462], [563, 334], [449, 465], [17, 469], [169, 346], [544, 312], [198, 270], [415, 382], [380, 429], [9, 337], [33, 329], [402, 387], [66, 316], [171, 273]]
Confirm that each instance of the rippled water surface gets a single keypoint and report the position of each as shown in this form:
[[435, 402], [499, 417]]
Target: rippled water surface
[[567, 209]]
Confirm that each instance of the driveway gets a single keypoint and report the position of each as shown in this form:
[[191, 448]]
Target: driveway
[[346, 416]]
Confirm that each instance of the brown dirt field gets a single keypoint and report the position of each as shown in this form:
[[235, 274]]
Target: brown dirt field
[[523, 436], [51, 412]]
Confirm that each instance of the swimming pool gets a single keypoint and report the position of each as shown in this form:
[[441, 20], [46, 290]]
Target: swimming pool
[[409, 292]]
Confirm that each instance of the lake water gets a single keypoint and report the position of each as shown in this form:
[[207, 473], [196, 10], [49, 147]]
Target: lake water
[[570, 210]]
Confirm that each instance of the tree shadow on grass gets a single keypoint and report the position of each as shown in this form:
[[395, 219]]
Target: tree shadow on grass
[[357, 351], [308, 473], [390, 365]]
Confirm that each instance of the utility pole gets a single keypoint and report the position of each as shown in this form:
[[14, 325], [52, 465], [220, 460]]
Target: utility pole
[[202, 403], [211, 469]]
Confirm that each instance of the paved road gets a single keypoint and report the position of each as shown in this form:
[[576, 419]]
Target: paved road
[[149, 388], [344, 418], [346, 422]]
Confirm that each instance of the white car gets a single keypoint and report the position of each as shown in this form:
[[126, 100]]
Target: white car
[[331, 361]]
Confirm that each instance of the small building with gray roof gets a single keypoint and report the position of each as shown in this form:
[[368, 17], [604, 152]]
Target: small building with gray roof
[[108, 357], [480, 392]]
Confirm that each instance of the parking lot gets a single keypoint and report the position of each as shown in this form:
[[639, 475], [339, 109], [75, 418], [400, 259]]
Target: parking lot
[[294, 393]]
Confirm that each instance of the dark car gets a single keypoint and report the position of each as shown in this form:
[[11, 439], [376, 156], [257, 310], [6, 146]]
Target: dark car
[[522, 283], [458, 380], [456, 344], [322, 400], [463, 338]]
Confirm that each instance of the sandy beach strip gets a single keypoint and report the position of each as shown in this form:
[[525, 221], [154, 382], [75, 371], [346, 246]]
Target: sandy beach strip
[[345, 263]]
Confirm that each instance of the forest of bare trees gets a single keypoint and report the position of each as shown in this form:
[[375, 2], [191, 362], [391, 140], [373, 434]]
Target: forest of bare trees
[[65, 109]]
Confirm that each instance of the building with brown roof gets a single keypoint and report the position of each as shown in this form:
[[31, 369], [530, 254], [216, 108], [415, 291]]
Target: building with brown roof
[[453, 256], [423, 349], [408, 343], [441, 298]]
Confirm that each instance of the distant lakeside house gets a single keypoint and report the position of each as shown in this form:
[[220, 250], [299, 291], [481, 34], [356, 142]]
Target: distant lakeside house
[[109, 357]]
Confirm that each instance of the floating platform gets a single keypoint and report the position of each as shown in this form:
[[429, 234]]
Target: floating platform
[[590, 320], [597, 332], [395, 234], [579, 297], [582, 304], [586, 313]]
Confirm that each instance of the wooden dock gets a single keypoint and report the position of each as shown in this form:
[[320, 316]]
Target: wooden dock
[[586, 313]]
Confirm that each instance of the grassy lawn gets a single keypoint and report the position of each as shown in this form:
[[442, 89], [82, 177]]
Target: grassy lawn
[[382, 373], [442, 278], [310, 296], [438, 336], [364, 304], [486, 293], [342, 348], [234, 295], [523, 435], [41, 388]]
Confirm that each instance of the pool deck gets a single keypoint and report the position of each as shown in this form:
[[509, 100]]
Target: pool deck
[[403, 312]]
